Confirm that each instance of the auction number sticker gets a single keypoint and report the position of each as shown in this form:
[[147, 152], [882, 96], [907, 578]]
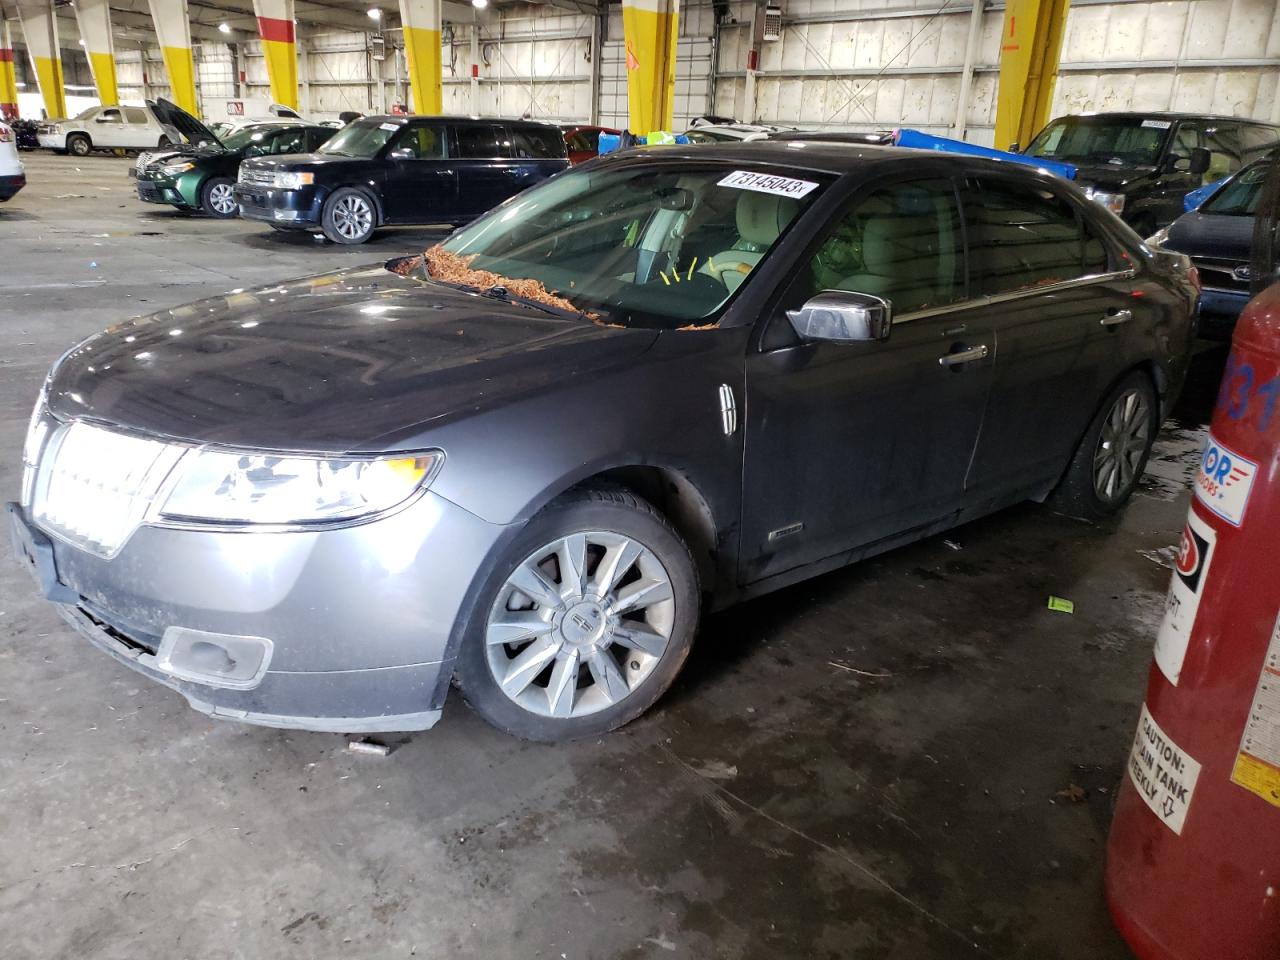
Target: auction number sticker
[[1257, 766], [1156, 124], [1183, 600], [1163, 773], [1224, 480], [768, 183]]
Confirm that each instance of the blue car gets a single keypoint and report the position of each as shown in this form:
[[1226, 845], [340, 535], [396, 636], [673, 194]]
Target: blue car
[[1217, 237]]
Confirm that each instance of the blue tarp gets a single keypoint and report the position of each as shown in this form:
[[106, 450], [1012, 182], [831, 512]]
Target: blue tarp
[[925, 141]]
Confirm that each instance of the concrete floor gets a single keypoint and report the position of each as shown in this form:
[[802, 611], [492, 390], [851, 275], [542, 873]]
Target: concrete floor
[[774, 804]]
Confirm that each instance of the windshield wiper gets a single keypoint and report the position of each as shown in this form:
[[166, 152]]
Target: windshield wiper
[[502, 293]]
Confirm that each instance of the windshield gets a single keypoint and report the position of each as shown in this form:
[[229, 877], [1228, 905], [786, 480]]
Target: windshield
[[363, 138], [660, 245], [1239, 197], [85, 115], [246, 136], [1123, 141]]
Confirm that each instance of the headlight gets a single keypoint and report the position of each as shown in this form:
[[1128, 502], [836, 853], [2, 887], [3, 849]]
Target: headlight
[[287, 180], [172, 170], [1112, 201], [226, 487]]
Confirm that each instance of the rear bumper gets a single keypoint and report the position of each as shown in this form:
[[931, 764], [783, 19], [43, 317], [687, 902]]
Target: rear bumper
[[299, 209], [9, 185]]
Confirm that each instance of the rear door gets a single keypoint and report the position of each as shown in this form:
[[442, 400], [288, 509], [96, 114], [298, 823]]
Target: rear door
[[851, 444], [138, 128], [108, 128], [420, 186], [486, 174], [1061, 305], [537, 152]]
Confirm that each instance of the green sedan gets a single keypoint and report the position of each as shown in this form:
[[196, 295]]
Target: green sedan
[[201, 179]]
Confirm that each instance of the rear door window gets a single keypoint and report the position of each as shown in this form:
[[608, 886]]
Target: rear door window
[[1022, 236], [135, 115], [482, 141], [1257, 140], [537, 143]]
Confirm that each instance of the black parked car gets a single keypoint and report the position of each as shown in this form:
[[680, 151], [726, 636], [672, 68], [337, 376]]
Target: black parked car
[[1218, 237], [687, 376], [203, 178], [1141, 165], [400, 170], [25, 131]]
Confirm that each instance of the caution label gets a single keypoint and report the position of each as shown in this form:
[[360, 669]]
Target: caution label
[[1257, 766], [1190, 574], [1164, 774]]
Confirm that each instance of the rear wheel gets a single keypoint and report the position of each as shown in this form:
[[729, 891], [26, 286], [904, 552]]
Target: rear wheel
[[348, 216], [585, 621], [78, 144], [216, 198], [1110, 459]]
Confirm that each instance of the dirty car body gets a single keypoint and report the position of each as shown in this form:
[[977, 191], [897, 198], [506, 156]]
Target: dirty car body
[[679, 379]]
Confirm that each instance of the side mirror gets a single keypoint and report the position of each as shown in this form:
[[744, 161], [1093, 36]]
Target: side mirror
[[1200, 160], [401, 153], [1015, 147], [839, 316]]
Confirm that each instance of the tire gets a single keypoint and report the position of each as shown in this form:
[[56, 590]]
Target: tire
[[79, 144], [611, 651], [349, 216], [163, 142], [1109, 461], [216, 199]]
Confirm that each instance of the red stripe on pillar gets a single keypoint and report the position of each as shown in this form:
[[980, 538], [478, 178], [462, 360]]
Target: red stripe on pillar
[[271, 28], [6, 56]]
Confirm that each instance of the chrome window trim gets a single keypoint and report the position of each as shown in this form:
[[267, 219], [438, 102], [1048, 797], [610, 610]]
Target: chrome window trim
[[1012, 295]]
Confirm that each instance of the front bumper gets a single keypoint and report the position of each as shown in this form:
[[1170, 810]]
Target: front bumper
[[53, 141], [285, 208], [160, 191], [9, 185], [1219, 309], [358, 622]]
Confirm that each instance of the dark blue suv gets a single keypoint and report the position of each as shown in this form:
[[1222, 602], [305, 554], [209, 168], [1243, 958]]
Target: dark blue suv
[[400, 170]]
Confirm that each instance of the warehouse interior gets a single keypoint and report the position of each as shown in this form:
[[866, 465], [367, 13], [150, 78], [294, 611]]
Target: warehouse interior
[[962, 735]]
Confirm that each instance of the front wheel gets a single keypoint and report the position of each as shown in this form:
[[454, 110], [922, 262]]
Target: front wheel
[[584, 623], [348, 216], [216, 198], [79, 144], [1109, 462]]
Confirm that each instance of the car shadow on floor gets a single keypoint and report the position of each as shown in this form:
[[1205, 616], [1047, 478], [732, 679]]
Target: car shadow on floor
[[403, 239]]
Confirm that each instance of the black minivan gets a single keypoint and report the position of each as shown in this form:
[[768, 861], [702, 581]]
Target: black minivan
[[1141, 165], [400, 170]]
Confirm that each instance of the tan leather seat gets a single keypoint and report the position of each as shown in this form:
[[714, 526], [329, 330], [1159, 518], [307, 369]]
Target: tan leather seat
[[761, 217], [901, 259]]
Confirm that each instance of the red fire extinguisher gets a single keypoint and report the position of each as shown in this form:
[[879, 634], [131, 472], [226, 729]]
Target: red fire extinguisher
[[1193, 858]]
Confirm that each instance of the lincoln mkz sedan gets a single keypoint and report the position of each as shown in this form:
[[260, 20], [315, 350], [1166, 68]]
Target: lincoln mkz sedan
[[530, 459]]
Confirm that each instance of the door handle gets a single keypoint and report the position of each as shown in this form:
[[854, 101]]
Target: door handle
[[967, 355], [1116, 317]]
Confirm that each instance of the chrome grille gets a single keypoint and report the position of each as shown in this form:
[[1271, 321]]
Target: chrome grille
[[94, 486], [143, 159], [1220, 274], [249, 174]]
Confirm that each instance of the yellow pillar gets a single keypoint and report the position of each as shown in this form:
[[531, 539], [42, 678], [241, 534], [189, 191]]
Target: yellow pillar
[[1029, 54], [94, 18], [40, 31], [421, 22], [649, 30], [279, 48], [8, 78], [173, 30]]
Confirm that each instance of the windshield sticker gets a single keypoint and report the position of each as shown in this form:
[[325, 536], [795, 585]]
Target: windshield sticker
[[1157, 124], [388, 126], [767, 183]]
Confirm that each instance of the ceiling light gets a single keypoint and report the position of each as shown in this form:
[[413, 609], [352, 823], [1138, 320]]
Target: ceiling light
[[375, 13], [479, 4], [223, 28]]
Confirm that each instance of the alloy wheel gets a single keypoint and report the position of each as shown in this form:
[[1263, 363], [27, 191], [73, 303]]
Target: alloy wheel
[[1121, 446], [221, 199], [580, 624], [352, 217]]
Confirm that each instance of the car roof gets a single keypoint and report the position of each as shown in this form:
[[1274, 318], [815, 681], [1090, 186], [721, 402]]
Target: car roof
[[1165, 115], [393, 117], [822, 156]]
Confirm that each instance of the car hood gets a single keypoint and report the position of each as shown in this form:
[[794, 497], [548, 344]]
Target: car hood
[[359, 360], [303, 161], [1109, 176], [1215, 236]]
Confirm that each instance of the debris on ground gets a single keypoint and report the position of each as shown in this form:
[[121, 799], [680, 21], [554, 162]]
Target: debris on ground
[[372, 747], [1072, 793], [716, 770], [1164, 556], [1060, 605], [952, 544], [862, 673]]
